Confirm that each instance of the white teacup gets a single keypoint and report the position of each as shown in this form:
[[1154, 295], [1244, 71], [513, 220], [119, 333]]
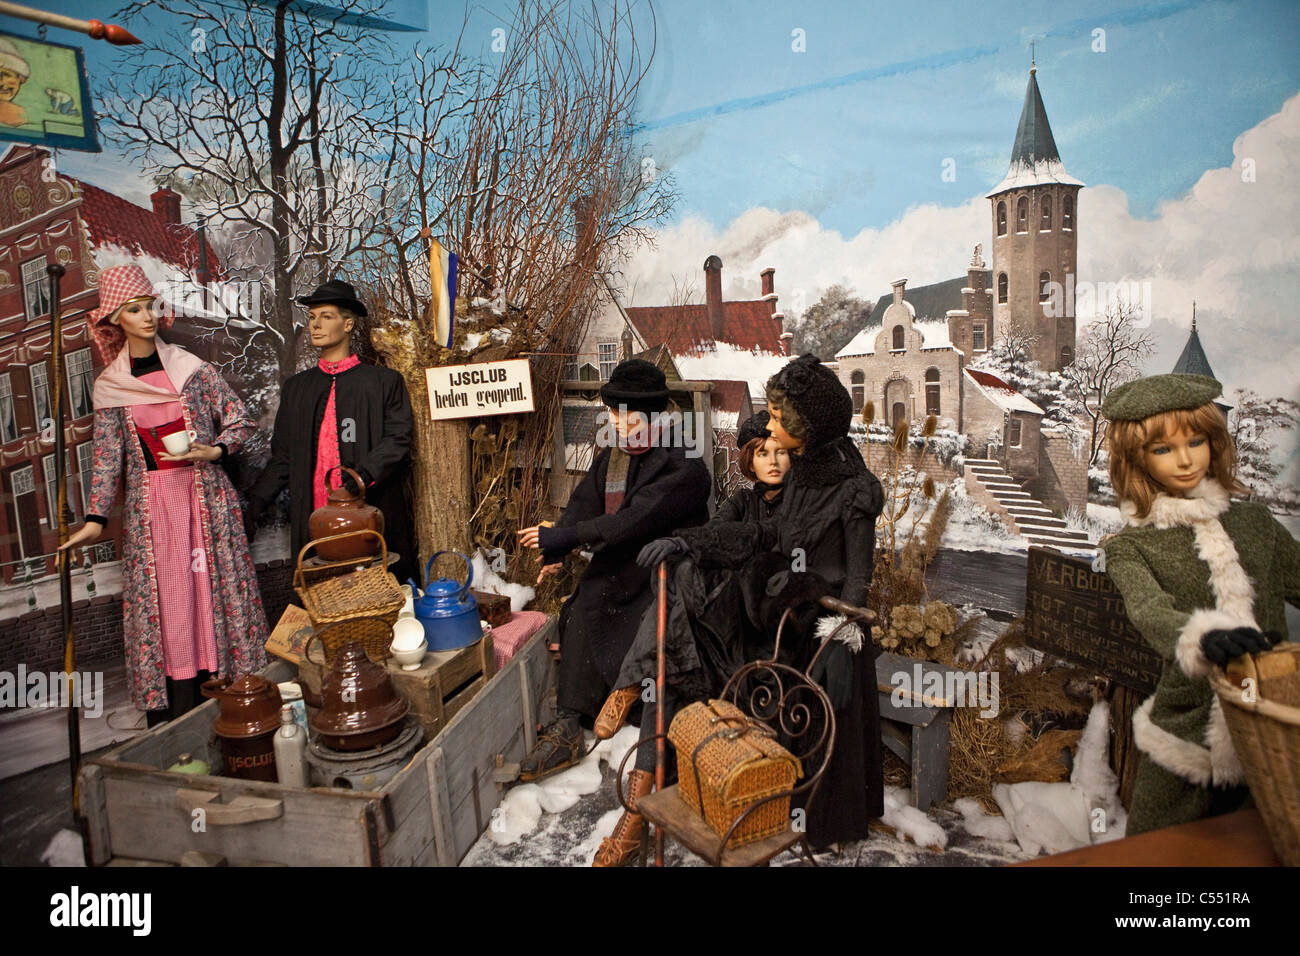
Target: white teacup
[[178, 443]]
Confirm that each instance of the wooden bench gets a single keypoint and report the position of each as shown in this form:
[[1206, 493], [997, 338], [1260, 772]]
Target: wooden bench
[[916, 729]]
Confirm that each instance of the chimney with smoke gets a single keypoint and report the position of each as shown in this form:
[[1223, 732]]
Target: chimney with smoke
[[713, 296]]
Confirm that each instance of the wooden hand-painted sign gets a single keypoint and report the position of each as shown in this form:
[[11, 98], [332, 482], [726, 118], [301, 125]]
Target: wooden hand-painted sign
[[44, 94], [486, 388], [1077, 614]]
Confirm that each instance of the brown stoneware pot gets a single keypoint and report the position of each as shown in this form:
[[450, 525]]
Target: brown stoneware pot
[[249, 707], [358, 705]]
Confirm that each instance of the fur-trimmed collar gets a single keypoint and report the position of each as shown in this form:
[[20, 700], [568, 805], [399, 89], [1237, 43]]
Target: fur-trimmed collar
[[1207, 500]]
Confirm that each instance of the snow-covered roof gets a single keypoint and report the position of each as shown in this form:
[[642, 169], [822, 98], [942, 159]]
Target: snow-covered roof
[[726, 361], [864, 343], [1001, 394], [1043, 172], [934, 335]]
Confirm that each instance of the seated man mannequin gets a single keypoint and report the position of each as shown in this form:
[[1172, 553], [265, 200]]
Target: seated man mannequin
[[633, 493], [340, 412]]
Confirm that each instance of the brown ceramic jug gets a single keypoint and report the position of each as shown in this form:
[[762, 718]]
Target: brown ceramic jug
[[344, 512], [246, 725], [358, 705]]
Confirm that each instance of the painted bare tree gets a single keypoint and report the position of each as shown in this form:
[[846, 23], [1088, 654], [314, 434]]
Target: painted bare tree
[[525, 166], [1111, 351], [262, 116]]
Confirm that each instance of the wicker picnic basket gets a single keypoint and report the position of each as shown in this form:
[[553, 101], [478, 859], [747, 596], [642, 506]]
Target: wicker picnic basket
[[348, 595], [1266, 735], [725, 763]]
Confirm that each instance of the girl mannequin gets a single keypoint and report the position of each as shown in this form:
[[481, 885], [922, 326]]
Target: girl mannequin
[[1203, 579], [190, 600], [765, 462]]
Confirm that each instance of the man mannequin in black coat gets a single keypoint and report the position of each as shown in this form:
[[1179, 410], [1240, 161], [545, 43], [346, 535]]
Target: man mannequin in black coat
[[633, 493], [371, 429]]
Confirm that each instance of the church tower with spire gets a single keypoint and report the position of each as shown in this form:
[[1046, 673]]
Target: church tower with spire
[[1035, 239]]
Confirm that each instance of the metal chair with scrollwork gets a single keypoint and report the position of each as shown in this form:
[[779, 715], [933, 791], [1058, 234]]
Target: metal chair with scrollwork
[[787, 703]]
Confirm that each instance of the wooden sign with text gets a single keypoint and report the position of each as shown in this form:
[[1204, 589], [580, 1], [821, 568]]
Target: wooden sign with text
[[486, 388], [1077, 614]]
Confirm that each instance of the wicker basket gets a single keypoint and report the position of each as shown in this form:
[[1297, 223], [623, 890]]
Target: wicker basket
[[727, 762], [347, 593], [372, 633], [1266, 736]]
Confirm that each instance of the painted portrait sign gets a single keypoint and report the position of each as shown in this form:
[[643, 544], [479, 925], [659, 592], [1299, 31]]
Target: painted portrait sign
[[45, 95]]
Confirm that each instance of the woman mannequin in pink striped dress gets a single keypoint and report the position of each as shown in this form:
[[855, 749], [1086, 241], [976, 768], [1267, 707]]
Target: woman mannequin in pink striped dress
[[191, 606]]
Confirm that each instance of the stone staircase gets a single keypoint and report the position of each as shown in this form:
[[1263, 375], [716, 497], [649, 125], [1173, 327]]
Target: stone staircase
[[989, 484]]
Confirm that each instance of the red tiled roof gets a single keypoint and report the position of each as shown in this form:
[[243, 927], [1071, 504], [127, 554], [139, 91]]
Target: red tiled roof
[[730, 395], [113, 220], [989, 381], [685, 329]]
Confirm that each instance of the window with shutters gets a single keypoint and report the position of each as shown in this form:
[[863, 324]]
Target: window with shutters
[[8, 415], [1045, 222], [859, 390], [85, 465], [36, 289], [1044, 287], [41, 395], [1002, 218], [608, 355], [81, 375], [1002, 287], [1022, 214], [1067, 212], [1013, 433]]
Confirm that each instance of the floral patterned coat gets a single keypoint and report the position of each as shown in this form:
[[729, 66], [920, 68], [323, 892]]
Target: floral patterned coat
[[216, 414]]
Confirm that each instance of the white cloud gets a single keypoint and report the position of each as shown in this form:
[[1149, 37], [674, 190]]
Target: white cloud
[[1233, 246]]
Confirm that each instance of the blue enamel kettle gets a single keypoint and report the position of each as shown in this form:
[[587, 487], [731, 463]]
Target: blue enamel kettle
[[447, 610]]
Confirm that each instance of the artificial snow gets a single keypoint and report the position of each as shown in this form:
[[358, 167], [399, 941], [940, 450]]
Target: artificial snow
[[908, 821], [1051, 817], [1004, 395], [864, 343], [523, 805], [978, 823], [1092, 774], [65, 849], [488, 580], [1021, 175], [934, 334]]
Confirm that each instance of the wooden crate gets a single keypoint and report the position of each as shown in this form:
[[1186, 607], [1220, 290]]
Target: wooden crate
[[444, 683], [431, 813]]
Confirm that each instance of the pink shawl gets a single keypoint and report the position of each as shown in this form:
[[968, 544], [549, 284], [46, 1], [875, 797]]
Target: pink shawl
[[116, 387]]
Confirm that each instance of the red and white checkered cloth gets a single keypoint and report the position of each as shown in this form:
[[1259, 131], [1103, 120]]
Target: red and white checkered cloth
[[508, 638]]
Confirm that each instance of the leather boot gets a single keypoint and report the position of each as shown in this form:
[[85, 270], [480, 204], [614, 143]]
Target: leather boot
[[615, 711], [623, 846]]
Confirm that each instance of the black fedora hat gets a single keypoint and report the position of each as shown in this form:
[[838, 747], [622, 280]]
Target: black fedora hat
[[335, 292]]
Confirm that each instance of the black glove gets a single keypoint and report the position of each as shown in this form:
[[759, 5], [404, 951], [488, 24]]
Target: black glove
[[1220, 646], [834, 671], [660, 550]]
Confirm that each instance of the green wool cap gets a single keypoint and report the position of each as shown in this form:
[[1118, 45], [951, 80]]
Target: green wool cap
[[1149, 396]]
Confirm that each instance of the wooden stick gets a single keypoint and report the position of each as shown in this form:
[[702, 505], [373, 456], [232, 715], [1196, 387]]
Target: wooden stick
[[660, 680], [55, 273], [96, 29]]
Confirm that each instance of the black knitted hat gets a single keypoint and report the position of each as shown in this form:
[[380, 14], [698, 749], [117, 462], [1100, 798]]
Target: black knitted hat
[[755, 426], [818, 396], [638, 385]]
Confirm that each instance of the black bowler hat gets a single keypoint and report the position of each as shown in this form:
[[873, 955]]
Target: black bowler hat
[[335, 292], [638, 385]]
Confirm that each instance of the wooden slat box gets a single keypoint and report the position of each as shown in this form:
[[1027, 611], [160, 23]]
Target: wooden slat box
[[431, 813]]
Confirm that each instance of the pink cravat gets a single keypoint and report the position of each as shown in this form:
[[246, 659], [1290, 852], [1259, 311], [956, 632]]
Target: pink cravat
[[327, 442]]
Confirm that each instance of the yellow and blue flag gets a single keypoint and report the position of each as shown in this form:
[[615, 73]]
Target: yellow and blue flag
[[442, 276]]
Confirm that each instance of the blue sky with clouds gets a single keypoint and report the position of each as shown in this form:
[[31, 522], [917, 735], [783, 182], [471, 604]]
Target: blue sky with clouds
[[856, 128]]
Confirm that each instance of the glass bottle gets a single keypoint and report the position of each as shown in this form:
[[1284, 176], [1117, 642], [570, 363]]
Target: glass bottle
[[290, 750]]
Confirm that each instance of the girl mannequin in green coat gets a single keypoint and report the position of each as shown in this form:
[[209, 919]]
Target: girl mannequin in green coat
[[1203, 579]]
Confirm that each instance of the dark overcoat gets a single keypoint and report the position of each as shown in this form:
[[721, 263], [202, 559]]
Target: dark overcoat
[[374, 428], [665, 490]]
